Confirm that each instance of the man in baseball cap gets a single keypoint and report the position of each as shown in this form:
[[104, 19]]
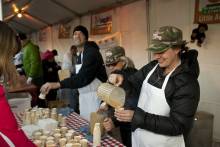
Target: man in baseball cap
[[113, 55]]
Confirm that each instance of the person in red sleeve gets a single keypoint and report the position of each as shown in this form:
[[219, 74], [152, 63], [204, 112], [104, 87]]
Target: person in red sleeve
[[10, 134]]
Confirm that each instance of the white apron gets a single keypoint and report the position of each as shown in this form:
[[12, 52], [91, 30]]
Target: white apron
[[88, 99], [153, 100]]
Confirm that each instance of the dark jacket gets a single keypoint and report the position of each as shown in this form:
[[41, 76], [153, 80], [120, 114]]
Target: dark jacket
[[50, 71], [92, 67], [182, 94]]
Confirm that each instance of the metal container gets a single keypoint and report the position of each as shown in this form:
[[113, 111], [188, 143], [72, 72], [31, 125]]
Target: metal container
[[202, 131]]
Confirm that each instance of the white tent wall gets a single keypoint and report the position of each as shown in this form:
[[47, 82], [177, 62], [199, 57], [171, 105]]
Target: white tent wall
[[130, 20], [180, 13]]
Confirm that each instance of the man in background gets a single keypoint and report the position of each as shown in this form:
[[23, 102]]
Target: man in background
[[32, 63]]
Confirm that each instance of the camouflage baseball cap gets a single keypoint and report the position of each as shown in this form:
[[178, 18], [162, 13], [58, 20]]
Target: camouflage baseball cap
[[113, 54], [165, 38]]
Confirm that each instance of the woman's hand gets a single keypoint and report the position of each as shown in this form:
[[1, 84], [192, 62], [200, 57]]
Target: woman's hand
[[124, 115], [116, 79], [108, 124], [48, 86]]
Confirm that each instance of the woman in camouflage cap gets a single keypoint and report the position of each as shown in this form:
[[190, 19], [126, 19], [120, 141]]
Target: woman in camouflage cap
[[168, 92]]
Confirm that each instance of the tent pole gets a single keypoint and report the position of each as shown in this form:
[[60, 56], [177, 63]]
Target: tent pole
[[148, 29], [1, 15]]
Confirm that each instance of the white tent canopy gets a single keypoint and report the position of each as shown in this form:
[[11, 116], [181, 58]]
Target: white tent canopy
[[38, 14]]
